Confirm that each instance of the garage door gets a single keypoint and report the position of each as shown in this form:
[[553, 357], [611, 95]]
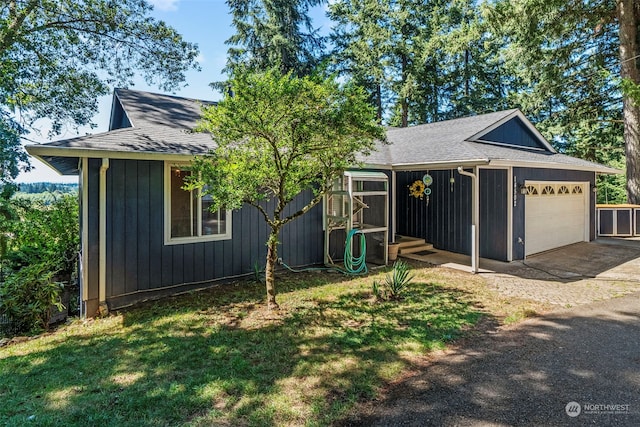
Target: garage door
[[556, 214]]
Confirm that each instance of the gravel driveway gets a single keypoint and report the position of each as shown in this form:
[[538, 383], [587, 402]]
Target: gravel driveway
[[529, 374]]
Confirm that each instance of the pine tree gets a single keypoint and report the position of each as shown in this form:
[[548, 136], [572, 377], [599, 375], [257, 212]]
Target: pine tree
[[571, 56], [420, 61], [275, 34]]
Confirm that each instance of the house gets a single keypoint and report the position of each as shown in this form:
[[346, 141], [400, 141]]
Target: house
[[490, 176]]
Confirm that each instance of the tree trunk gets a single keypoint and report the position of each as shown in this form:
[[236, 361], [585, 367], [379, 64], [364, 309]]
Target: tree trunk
[[379, 102], [404, 122], [628, 20], [269, 271]]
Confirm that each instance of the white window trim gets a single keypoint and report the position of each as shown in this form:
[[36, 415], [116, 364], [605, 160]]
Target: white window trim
[[168, 240]]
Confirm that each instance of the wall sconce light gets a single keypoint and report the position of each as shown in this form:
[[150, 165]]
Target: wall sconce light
[[594, 188], [522, 189]]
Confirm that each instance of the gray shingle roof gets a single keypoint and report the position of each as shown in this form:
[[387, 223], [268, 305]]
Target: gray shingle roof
[[146, 109], [162, 124], [451, 141]]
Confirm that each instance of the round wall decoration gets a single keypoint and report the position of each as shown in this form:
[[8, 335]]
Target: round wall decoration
[[427, 179], [417, 189]]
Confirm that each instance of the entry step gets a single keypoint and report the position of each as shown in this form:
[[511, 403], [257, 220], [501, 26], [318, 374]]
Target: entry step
[[411, 245]]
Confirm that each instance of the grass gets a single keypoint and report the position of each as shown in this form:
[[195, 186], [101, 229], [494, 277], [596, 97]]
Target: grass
[[218, 357]]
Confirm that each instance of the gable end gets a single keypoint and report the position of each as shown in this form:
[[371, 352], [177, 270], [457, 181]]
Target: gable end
[[119, 119], [514, 132]]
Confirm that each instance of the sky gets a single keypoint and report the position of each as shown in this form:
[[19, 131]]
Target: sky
[[204, 22]]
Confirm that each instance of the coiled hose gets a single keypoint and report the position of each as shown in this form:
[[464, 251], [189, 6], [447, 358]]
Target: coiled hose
[[355, 265]]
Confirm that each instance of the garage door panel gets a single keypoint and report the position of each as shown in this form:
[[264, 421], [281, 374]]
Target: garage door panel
[[554, 217]]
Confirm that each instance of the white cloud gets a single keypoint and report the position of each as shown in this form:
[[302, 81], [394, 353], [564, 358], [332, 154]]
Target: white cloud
[[165, 5], [200, 58]]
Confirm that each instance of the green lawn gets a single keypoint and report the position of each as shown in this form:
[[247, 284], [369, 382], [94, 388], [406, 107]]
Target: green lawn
[[219, 357]]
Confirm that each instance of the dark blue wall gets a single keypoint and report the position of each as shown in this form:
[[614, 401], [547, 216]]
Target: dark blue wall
[[520, 175], [140, 265], [493, 213], [445, 220], [514, 132]]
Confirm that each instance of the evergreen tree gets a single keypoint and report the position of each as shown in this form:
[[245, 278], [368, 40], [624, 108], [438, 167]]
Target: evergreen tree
[[420, 61], [571, 56], [274, 34]]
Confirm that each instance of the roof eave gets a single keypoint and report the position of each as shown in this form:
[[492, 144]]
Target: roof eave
[[43, 150], [545, 165], [450, 164]]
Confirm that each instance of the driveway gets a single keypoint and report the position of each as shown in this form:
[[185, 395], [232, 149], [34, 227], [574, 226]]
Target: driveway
[[578, 274], [573, 367]]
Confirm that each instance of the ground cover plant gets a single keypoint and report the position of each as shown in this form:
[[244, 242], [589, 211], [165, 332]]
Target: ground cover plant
[[221, 357]]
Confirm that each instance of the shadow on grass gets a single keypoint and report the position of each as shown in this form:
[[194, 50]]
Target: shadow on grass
[[209, 358]]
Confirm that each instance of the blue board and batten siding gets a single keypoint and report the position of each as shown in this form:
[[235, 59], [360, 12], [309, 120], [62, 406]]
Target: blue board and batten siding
[[520, 175], [139, 264], [445, 218]]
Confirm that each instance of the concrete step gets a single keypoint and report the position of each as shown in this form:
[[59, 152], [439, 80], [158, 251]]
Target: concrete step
[[415, 248]]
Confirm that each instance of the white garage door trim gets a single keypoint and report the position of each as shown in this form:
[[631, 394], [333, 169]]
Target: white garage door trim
[[556, 215]]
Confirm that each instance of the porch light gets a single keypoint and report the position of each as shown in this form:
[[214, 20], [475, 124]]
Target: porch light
[[522, 189]]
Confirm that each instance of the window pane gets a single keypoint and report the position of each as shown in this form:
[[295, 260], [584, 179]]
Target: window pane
[[181, 206], [212, 222]]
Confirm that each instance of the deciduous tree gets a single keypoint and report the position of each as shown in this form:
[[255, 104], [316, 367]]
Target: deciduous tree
[[58, 56], [277, 136]]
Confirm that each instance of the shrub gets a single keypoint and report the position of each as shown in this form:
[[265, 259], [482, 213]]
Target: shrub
[[38, 260], [395, 283], [27, 297]]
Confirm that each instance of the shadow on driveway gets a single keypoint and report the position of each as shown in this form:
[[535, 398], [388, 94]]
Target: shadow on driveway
[[527, 374]]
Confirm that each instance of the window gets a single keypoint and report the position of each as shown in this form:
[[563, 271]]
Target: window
[[188, 217]]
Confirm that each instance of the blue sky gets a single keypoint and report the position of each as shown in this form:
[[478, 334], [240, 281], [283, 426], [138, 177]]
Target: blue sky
[[205, 22]]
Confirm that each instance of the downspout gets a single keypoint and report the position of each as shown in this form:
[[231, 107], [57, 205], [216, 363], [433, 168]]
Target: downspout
[[84, 245], [102, 272], [475, 217], [393, 206]]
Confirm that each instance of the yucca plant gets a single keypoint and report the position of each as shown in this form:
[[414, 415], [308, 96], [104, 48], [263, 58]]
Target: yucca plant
[[395, 282]]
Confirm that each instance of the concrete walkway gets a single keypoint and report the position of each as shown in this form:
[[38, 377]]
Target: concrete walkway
[[578, 274], [570, 368]]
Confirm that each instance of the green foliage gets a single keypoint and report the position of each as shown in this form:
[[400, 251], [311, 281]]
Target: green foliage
[[394, 284], [277, 136], [611, 188], [58, 56], [47, 187], [28, 295], [280, 135], [631, 90], [45, 235], [419, 61], [565, 58], [39, 258], [273, 34]]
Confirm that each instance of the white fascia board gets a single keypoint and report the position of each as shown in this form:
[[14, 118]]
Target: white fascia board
[[517, 113], [541, 165], [39, 151], [450, 164]]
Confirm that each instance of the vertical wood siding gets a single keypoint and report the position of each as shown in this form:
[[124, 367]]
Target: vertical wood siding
[[445, 220], [514, 132], [493, 213], [139, 261], [534, 174]]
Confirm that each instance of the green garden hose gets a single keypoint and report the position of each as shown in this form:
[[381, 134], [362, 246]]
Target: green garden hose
[[355, 265]]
